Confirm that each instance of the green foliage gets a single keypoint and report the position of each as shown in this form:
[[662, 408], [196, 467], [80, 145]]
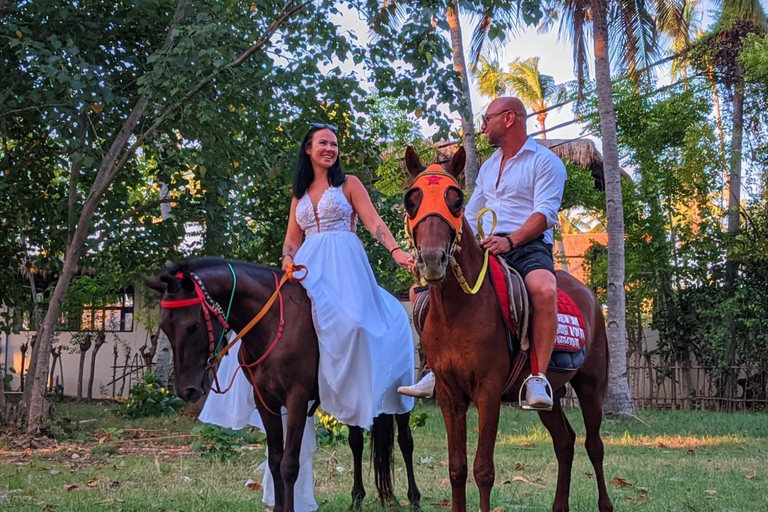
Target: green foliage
[[217, 442], [64, 429], [150, 398], [755, 59], [418, 421], [329, 430]]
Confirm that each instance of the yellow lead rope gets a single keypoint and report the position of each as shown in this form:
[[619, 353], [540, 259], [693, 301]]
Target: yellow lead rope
[[481, 277]]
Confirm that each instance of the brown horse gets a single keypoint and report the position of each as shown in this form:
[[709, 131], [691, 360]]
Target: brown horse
[[286, 377], [464, 341]]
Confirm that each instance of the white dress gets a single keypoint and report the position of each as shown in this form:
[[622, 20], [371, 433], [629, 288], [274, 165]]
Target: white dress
[[366, 343], [236, 409]]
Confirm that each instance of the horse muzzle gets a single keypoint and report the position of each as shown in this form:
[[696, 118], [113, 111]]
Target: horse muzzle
[[433, 265]]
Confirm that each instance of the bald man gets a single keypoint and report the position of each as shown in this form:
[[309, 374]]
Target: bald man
[[523, 183]]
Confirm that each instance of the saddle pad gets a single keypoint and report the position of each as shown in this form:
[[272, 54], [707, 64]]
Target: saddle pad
[[570, 325], [570, 341]]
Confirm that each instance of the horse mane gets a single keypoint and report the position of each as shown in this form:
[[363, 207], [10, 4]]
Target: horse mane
[[210, 262]]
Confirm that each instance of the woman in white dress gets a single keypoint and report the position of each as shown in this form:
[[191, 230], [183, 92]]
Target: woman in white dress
[[236, 409], [365, 340]]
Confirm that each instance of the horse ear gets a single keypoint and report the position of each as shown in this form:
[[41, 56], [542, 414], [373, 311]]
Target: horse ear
[[458, 162], [412, 162], [155, 284], [171, 282], [187, 283]]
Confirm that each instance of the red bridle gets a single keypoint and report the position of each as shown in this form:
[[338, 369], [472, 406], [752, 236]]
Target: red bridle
[[209, 308]]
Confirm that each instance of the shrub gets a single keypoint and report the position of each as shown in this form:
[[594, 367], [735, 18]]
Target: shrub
[[150, 398], [218, 442]]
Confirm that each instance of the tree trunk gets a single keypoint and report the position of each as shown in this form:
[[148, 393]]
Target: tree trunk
[[84, 346], [34, 395], [542, 118], [734, 203], [618, 399], [101, 338], [163, 344], [467, 122]]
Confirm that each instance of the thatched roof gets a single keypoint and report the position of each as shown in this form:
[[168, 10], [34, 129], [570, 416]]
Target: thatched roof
[[581, 152]]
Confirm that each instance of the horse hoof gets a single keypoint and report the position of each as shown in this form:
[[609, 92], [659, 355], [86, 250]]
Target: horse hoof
[[605, 506]]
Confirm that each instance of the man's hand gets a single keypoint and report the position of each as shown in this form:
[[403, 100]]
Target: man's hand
[[497, 245]]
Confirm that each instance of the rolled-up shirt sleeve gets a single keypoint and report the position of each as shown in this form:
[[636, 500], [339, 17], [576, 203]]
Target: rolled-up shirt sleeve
[[475, 204], [548, 188]]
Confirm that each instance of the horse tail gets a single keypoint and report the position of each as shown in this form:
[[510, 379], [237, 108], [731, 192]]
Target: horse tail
[[382, 455]]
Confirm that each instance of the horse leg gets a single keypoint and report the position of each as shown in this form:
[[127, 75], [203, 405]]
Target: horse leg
[[405, 440], [563, 439], [454, 409], [488, 410], [289, 466], [591, 403], [356, 443], [273, 425]]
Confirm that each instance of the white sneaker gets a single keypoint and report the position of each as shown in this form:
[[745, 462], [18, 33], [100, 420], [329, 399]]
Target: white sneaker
[[537, 393], [425, 388]]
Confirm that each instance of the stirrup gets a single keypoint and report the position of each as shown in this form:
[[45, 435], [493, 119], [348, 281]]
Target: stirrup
[[523, 404]]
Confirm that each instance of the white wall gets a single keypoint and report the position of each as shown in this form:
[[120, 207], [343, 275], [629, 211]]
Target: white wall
[[70, 361]]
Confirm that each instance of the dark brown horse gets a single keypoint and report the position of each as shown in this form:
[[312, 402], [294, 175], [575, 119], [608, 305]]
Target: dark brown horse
[[464, 341], [286, 378]]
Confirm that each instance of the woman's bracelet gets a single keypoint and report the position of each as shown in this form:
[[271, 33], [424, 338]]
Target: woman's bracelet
[[287, 254], [392, 251]]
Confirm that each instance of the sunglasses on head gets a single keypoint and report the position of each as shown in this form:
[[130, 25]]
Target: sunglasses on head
[[320, 126]]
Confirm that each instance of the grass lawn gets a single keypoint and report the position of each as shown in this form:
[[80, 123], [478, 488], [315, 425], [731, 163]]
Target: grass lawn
[[674, 461]]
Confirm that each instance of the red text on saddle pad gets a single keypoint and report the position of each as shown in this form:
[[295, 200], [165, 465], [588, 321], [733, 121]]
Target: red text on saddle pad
[[570, 324]]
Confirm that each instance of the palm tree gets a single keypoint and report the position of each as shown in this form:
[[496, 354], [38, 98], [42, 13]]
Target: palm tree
[[493, 21], [536, 91], [737, 19], [633, 29]]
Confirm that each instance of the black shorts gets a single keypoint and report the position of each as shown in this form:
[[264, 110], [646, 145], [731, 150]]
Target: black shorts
[[534, 255]]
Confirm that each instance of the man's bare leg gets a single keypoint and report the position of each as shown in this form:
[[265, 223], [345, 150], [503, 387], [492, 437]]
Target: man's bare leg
[[542, 290]]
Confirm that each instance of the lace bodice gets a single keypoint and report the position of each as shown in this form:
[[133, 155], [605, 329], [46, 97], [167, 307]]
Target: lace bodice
[[334, 213]]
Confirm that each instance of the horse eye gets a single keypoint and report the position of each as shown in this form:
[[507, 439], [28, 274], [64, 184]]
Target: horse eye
[[455, 200], [412, 201], [194, 327]]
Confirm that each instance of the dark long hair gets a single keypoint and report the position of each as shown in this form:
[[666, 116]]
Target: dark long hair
[[304, 173]]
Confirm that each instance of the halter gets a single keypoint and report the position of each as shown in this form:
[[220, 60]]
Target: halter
[[434, 183], [209, 305]]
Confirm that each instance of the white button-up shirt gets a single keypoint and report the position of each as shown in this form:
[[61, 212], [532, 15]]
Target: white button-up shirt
[[532, 182]]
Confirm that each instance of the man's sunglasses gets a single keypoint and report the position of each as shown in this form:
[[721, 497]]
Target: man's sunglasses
[[488, 117], [321, 126]]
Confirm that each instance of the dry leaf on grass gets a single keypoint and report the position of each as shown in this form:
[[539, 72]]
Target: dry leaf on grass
[[590, 475], [498, 509], [444, 503], [93, 482], [711, 492], [524, 480], [254, 486], [751, 475], [518, 466], [691, 452], [445, 481], [71, 487], [621, 483], [643, 498]]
